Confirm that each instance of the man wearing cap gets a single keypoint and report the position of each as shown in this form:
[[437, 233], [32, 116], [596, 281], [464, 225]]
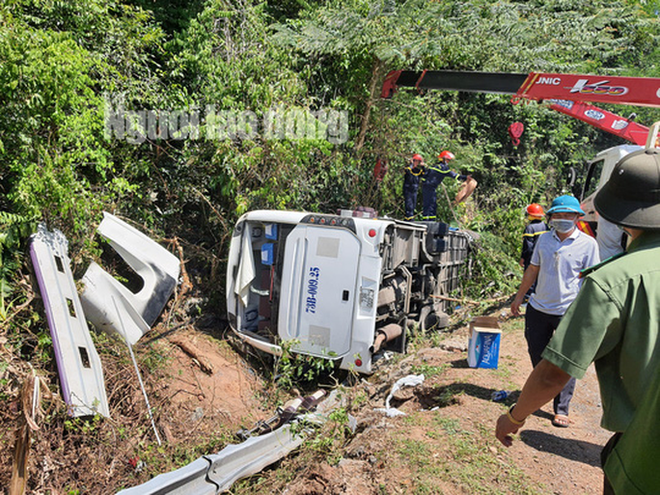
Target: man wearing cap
[[412, 173], [615, 323], [558, 258]]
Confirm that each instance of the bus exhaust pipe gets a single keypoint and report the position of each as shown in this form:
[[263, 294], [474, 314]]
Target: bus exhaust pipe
[[385, 334]]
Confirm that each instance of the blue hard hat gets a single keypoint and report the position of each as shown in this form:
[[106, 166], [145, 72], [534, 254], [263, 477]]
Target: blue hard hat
[[569, 204]]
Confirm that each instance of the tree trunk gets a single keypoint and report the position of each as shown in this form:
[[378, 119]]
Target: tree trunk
[[376, 77]]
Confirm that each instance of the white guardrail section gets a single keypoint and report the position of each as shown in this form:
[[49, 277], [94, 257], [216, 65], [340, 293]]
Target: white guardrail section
[[216, 473], [78, 363]]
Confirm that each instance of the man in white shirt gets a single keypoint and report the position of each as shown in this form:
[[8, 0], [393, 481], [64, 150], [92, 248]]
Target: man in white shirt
[[558, 258]]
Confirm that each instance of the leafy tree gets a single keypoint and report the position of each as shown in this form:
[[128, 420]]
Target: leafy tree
[[65, 65], [354, 43]]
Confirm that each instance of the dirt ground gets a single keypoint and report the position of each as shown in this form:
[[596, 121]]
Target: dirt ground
[[207, 390], [564, 460], [560, 461]]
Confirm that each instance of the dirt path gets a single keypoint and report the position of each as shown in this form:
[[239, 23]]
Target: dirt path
[[446, 443], [565, 460]]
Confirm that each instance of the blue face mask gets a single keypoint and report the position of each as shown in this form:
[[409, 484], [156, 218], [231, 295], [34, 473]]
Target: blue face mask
[[562, 225]]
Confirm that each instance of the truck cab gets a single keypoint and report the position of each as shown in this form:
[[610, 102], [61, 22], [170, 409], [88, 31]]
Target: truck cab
[[343, 287], [598, 173], [611, 240]]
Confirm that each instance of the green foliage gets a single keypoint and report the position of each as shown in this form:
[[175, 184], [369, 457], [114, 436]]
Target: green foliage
[[63, 65], [57, 59], [493, 268], [155, 358], [293, 369], [470, 35], [333, 436], [84, 426], [354, 29], [427, 370], [14, 229]]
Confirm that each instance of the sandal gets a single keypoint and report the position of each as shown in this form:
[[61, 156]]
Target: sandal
[[561, 421]]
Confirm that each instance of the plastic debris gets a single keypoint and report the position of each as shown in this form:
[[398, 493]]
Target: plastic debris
[[406, 381], [499, 396]]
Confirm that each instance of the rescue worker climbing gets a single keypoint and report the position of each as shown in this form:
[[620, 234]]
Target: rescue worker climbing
[[431, 179], [411, 178]]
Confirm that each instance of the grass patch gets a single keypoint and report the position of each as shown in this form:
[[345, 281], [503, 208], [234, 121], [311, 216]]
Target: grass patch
[[427, 370], [454, 452]]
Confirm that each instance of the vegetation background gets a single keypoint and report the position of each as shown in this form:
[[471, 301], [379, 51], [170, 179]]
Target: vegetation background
[[64, 65]]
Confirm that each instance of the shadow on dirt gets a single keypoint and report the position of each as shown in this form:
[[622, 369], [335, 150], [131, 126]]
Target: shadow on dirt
[[574, 450], [459, 363], [443, 396]]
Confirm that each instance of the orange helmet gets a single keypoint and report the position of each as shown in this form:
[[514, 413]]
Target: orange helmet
[[534, 210], [417, 157], [446, 155]]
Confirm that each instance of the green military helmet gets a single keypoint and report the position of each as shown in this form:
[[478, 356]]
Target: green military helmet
[[631, 197]]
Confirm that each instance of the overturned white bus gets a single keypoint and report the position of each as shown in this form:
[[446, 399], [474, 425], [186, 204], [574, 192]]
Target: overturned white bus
[[345, 287]]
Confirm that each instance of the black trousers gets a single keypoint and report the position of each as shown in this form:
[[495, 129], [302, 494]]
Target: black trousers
[[429, 202], [539, 328], [410, 201]]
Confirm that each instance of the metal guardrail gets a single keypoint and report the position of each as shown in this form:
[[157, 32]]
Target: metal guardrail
[[250, 457], [215, 473], [190, 479], [212, 474], [79, 366]]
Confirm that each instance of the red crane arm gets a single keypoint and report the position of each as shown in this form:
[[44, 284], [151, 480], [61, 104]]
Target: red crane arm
[[566, 93], [642, 91]]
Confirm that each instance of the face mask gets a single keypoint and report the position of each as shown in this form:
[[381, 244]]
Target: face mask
[[562, 225]]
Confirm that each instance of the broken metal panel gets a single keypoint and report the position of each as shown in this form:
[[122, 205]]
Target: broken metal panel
[[216, 473], [78, 363], [100, 289], [250, 457], [156, 265], [158, 268]]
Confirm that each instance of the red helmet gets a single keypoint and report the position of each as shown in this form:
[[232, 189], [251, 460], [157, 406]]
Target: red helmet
[[535, 210], [446, 155], [417, 157]]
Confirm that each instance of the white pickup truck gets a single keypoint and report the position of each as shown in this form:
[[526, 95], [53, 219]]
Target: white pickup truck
[[343, 287]]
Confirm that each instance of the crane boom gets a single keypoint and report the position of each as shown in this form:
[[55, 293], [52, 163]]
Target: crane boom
[[642, 91], [565, 93]]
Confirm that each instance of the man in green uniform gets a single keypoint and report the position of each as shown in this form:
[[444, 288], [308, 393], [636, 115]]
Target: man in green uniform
[[615, 323]]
